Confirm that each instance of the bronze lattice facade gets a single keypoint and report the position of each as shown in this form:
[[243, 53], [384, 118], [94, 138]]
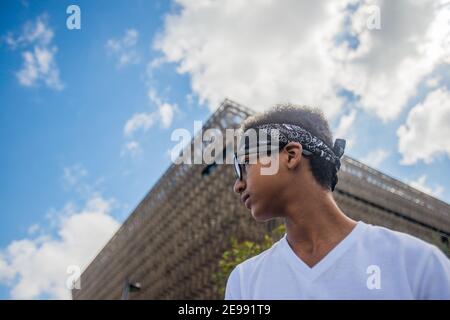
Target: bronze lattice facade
[[172, 242]]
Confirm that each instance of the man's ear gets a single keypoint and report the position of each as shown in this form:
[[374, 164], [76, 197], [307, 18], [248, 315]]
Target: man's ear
[[294, 152]]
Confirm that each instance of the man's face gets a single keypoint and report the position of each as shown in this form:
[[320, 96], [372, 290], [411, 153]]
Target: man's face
[[261, 186]]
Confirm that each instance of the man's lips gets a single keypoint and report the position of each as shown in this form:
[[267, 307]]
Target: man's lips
[[244, 199]]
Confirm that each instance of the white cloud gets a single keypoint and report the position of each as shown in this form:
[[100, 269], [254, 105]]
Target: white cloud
[[375, 158], [124, 48], [133, 148], [260, 52], [166, 113], [29, 73], [165, 110], [37, 32], [345, 123], [139, 121], [421, 184], [387, 67], [36, 267], [73, 174], [425, 133], [256, 61], [75, 178], [153, 96], [155, 63], [33, 228], [343, 129], [39, 64], [433, 82], [145, 120]]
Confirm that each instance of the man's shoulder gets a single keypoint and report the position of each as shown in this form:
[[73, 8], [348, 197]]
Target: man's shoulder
[[424, 264], [391, 240]]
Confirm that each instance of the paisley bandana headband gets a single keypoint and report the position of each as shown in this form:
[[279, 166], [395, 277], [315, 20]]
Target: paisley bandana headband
[[281, 134]]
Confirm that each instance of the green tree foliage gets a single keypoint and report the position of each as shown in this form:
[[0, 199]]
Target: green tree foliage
[[441, 242], [241, 251]]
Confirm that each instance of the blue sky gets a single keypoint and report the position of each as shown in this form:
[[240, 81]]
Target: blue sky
[[85, 122]]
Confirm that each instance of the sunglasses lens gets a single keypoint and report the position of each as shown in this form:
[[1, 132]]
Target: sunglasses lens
[[237, 168]]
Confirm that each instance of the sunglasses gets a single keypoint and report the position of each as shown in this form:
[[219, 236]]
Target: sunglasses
[[239, 168]]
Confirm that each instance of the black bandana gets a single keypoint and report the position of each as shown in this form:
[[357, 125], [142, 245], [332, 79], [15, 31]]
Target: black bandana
[[284, 133], [289, 132]]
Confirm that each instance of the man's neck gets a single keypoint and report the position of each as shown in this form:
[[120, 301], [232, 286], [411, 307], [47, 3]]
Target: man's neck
[[316, 226]]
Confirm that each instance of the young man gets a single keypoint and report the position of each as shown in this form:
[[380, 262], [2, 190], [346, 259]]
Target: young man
[[324, 254]]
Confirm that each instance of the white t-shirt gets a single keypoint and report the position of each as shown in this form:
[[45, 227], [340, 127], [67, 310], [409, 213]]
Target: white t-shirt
[[372, 262]]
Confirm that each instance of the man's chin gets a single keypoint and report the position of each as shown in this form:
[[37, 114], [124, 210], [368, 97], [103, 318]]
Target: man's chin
[[259, 216]]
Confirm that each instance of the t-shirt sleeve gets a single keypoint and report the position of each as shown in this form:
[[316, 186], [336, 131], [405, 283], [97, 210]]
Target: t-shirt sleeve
[[435, 283], [233, 288]]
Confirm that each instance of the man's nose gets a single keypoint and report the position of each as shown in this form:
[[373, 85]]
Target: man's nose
[[239, 186]]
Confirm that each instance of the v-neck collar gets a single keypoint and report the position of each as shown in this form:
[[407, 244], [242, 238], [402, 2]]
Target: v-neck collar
[[328, 260]]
